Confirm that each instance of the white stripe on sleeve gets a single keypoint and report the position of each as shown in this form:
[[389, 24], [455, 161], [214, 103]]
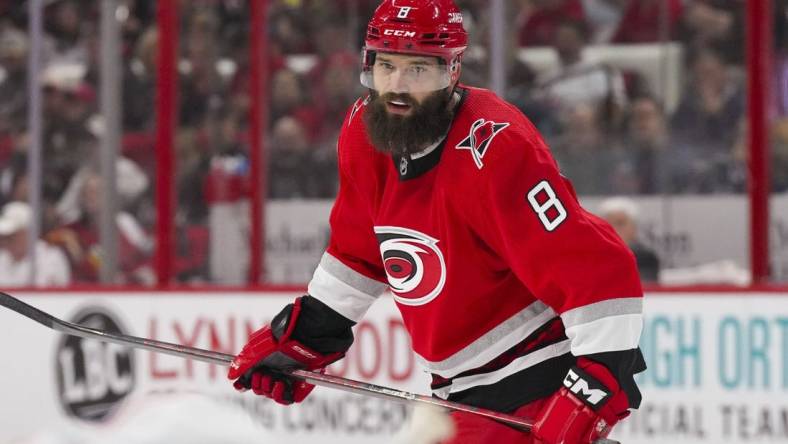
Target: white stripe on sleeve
[[343, 289], [611, 333]]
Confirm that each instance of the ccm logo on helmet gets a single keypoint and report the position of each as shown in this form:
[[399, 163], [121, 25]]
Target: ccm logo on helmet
[[414, 264], [580, 387], [399, 33]]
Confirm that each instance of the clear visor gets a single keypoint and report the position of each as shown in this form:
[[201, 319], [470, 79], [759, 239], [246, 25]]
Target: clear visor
[[404, 73]]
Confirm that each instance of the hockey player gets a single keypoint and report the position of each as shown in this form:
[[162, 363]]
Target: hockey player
[[516, 299]]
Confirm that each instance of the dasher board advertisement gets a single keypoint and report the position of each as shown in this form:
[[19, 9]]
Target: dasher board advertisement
[[675, 227], [718, 373]]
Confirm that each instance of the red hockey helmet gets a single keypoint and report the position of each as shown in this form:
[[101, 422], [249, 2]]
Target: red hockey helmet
[[417, 27]]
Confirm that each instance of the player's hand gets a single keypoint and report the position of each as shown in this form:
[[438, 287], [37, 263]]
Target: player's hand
[[270, 350], [584, 410]]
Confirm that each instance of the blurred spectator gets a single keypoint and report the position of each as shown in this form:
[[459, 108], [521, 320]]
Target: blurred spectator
[[68, 138], [13, 179], [226, 191], [192, 253], [220, 175], [66, 27], [16, 188], [80, 240], [228, 170], [738, 172], [337, 88], [295, 171], [13, 80], [705, 122], [648, 21], [539, 20], [654, 167], [622, 214], [139, 76], [604, 17], [134, 17], [51, 267], [288, 30], [238, 100], [780, 66], [331, 32], [287, 93], [202, 87], [132, 183], [289, 98], [193, 152], [779, 156], [13, 12], [520, 84], [717, 24], [233, 23], [585, 155], [578, 81], [520, 78]]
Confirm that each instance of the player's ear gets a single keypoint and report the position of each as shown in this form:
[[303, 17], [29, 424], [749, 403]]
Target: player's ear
[[455, 72], [456, 81]]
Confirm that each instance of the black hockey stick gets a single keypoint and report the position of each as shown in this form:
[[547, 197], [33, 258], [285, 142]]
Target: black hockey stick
[[212, 357]]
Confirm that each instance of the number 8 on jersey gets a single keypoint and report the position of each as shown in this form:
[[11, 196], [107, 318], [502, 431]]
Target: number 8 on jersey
[[550, 210]]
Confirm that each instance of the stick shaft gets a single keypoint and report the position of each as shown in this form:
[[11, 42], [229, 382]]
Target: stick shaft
[[224, 359], [212, 357]]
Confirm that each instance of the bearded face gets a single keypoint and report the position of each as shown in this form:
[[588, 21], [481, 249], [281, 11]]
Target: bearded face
[[425, 122]]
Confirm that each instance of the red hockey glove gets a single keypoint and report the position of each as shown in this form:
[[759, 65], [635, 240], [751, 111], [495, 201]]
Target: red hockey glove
[[584, 410], [270, 349]]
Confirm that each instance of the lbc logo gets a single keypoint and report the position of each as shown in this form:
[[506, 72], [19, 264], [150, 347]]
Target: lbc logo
[[92, 376]]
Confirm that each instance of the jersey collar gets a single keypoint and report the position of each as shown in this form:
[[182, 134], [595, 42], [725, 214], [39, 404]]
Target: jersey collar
[[411, 166]]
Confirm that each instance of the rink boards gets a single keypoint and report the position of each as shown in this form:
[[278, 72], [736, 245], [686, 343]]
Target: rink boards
[[718, 373]]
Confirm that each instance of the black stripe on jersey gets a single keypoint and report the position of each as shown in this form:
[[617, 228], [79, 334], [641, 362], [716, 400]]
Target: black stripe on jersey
[[548, 334], [516, 390], [545, 378], [522, 387]]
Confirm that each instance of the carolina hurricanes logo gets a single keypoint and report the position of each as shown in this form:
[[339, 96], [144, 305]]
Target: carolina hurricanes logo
[[414, 264], [482, 133]]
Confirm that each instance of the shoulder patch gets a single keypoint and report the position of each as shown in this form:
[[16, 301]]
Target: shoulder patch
[[357, 106], [481, 135]]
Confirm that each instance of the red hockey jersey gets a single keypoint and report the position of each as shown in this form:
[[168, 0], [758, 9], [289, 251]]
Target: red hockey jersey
[[501, 277]]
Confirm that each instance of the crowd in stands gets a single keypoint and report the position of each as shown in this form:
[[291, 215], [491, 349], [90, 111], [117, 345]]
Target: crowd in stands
[[610, 130]]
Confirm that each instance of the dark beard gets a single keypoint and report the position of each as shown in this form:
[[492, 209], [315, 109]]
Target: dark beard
[[396, 134]]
